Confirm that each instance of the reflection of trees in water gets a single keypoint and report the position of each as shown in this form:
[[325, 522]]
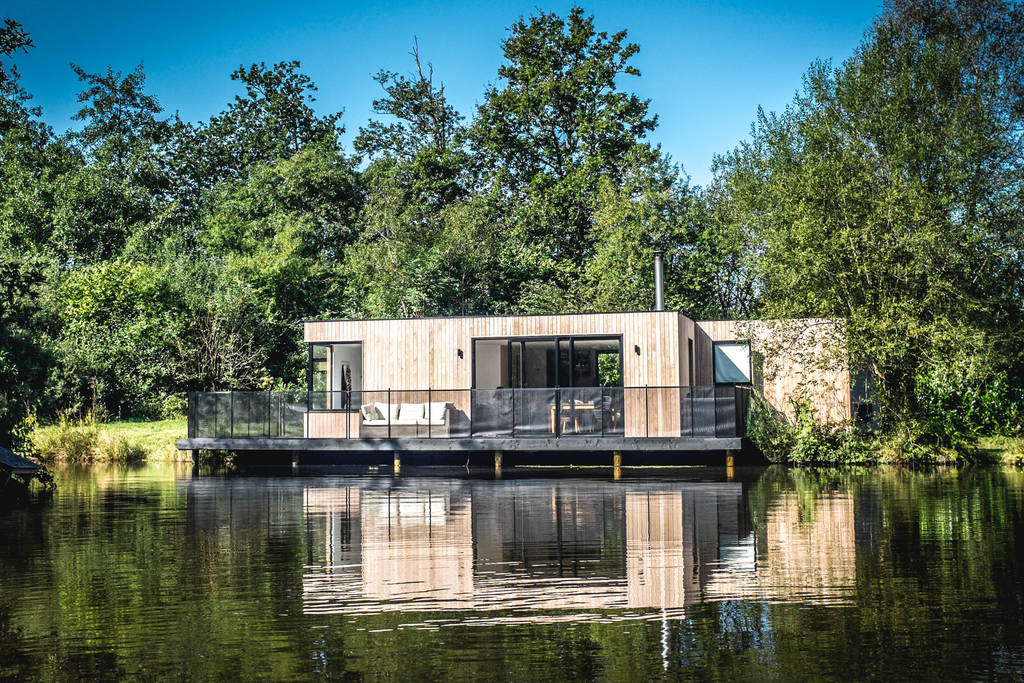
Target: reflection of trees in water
[[15, 661], [139, 578]]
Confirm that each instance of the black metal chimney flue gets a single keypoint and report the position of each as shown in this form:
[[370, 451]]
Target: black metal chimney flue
[[659, 282]]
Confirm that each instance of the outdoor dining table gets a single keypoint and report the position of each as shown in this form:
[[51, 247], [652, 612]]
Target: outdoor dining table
[[568, 415]]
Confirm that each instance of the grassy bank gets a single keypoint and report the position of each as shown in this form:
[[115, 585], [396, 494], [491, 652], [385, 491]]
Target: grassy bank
[[135, 441], [1006, 450], [90, 441]]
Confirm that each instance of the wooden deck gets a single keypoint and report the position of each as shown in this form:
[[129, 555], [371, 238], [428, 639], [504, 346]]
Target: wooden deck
[[15, 464], [478, 444]]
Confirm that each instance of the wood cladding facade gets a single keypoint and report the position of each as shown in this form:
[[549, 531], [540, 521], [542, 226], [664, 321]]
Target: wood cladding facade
[[412, 355], [790, 359], [417, 353]]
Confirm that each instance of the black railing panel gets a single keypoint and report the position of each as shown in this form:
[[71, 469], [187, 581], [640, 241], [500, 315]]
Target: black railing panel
[[492, 413], [701, 405], [534, 412], [590, 411], [703, 411]]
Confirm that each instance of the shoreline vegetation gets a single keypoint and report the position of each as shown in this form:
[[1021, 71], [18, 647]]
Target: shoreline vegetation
[[143, 256], [87, 440]]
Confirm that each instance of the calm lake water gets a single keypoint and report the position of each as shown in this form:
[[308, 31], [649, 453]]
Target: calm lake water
[[784, 574]]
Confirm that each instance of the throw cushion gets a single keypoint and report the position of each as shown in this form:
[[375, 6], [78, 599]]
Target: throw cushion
[[410, 412], [370, 413], [437, 410], [387, 411]]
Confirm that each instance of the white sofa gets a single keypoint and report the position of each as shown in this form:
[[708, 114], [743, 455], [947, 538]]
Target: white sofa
[[405, 419]]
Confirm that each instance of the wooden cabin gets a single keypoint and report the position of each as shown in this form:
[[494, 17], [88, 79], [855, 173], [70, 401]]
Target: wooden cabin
[[651, 361], [640, 381]]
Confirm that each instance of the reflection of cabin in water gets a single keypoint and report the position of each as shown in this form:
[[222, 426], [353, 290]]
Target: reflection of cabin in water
[[564, 547], [529, 548]]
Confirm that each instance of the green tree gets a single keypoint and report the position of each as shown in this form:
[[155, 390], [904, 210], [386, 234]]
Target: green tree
[[25, 161], [556, 127], [652, 208], [273, 119], [24, 360], [889, 194], [284, 230], [15, 110], [110, 179], [427, 242]]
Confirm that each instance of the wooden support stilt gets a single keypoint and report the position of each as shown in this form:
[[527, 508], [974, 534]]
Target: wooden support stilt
[[497, 464], [617, 465], [398, 463], [729, 463]]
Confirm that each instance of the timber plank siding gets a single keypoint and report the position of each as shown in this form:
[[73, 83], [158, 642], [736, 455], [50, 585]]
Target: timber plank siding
[[420, 353], [415, 354]]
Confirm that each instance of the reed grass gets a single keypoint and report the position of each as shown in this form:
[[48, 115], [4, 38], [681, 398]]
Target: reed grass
[[85, 440]]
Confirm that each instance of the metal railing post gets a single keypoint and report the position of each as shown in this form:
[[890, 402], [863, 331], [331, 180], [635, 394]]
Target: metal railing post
[[647, 411], [692, 426], [558, 411], [429, 431], [231, 419], [471, 412], [389, 412]]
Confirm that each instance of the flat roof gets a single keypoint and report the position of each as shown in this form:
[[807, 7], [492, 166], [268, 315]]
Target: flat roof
[[484, 315]]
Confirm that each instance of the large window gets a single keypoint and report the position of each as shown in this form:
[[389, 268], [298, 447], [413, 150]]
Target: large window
[[547, 362], [335, 372], [732, 362]]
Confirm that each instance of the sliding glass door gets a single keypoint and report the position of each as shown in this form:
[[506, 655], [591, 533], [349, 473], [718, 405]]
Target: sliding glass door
[[548, 363], [550, 385]]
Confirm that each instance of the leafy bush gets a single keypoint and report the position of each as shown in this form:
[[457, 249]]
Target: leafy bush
[[769, 429], [803, 440], [1014, 453], [173, 406], [956, 408]]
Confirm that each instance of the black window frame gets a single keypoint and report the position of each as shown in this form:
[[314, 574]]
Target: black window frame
[[750, 363], [309, 377], [557, 339]]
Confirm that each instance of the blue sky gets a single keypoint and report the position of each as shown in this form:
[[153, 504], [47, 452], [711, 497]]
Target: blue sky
[[706, 66]]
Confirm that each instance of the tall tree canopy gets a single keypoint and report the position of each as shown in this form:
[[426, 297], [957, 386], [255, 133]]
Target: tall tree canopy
[[555, 126], [889, 194]]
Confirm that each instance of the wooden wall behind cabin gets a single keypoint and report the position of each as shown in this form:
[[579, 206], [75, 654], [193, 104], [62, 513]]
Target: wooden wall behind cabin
[[803, 366], [417, 353]]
